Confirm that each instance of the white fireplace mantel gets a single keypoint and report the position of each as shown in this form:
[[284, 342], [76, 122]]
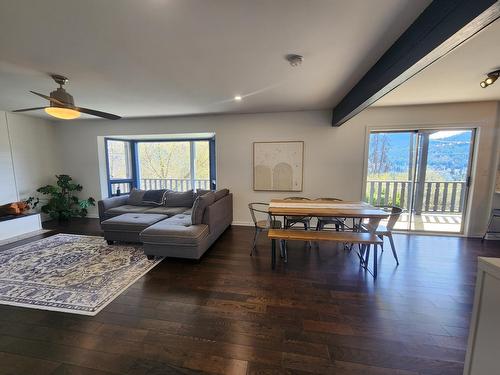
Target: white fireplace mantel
[[19, 226]]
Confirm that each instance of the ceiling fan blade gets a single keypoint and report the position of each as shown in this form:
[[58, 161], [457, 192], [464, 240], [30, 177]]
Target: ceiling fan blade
[[93, 112], [28, 109], [49, 98]]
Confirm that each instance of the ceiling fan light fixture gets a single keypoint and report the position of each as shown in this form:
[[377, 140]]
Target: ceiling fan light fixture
[[62, 105], [62, 113]]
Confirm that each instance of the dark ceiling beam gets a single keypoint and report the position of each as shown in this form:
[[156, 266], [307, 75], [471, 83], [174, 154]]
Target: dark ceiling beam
[[441, 27]]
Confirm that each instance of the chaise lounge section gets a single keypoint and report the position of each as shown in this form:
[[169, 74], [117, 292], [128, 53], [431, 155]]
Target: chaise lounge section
[[169, 231]]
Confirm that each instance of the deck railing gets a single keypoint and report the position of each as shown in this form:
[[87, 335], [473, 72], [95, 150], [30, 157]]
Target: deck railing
[[438, 196], [176, 184]]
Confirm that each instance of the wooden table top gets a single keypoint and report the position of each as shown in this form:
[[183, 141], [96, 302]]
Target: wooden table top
[[323, 208]]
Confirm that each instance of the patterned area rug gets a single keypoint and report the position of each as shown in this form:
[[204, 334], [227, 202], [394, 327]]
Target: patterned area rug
[[69, 273]]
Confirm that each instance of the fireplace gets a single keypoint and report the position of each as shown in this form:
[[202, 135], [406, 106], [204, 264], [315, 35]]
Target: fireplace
[[16, 220]]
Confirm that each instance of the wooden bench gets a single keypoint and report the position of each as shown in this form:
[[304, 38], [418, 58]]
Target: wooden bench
[[361, 238]]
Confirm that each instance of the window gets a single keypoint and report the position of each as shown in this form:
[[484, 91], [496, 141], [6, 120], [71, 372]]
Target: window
[[178, 165], [120, 170]]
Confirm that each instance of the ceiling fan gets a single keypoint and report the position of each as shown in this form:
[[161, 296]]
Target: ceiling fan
[[62, 105]]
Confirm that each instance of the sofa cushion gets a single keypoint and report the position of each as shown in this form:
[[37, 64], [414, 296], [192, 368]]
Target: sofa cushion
[[135, 197], [154, 197], [200, 204], [221, 194], [165, 233], [169, 211], [127, 208], [131, 222], [180, 219], [179, 199], [201, 192]]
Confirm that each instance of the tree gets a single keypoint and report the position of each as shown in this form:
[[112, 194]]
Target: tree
[[172, 160], [378, 160], [164, 160]]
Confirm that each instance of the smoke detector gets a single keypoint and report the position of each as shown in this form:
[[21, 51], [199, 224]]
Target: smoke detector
[[294, 59]]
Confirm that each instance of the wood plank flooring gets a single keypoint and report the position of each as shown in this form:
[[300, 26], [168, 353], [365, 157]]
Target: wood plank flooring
[[230, 314]]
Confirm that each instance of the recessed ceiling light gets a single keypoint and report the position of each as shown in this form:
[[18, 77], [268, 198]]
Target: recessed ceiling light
[[238, 98]]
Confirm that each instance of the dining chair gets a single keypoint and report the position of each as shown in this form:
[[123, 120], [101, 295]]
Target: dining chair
[[386, 230], [262, 220], [290, 221], [322, 221]]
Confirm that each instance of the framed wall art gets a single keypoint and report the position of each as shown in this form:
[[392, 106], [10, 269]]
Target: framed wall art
[[278, 166]]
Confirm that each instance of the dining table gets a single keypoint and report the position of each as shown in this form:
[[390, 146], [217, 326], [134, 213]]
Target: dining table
[[356, 210], [328, 208]]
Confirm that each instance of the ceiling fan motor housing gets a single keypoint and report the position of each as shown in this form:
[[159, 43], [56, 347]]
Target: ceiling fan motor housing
[[59, 98], [61, 95]]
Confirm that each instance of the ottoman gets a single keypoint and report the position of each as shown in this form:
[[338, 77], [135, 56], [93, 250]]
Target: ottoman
[[127, 227], [175, 237]]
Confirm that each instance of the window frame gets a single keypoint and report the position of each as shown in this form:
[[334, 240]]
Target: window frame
[[134, 181]]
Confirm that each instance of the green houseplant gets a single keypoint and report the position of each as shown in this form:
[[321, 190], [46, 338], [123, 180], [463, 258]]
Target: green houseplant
[[62, 203]]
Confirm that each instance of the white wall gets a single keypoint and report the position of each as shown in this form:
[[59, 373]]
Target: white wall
[[8, 190], [333, 160], [496, 196], [28, 155]]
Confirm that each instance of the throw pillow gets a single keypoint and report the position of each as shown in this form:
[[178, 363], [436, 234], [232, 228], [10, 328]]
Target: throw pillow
[[201, 192], [200, 204], [154, 197], [135, 197], [221, 193], [179, 199]]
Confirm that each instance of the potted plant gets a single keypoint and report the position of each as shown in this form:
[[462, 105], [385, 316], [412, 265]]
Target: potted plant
[[62, 203]]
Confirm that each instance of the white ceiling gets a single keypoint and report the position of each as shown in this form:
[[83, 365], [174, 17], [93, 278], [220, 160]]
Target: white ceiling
[[178, 57], [456, 76]]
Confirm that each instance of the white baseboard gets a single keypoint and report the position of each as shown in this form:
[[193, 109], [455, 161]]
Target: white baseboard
[[243, 223], [492, 236]]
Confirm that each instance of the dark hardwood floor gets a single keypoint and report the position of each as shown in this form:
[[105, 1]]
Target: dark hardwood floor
[[230, 314]]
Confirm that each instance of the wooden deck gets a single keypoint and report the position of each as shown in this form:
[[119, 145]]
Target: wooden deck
[[432, 222]]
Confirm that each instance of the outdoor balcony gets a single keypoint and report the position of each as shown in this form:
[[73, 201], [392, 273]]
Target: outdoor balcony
[[437, 205]]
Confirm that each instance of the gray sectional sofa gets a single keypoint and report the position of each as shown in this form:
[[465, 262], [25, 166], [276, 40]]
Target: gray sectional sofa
[[180, 225]]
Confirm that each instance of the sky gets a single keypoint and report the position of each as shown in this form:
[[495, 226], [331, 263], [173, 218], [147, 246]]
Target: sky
[[446, 133]]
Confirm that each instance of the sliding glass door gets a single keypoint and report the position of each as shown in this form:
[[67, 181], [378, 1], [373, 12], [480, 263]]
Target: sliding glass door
[[390, 172], [425, 172], [442, 180]]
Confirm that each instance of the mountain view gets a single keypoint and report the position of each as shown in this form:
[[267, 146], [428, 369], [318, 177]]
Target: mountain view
[[448, 156], [390, 175]]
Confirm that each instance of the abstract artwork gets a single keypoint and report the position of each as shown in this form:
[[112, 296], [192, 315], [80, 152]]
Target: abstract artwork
[[278, 166]]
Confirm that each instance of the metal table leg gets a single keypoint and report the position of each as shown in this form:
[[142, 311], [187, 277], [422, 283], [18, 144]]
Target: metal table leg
[[367, 258], [273, 254], [372, 227]]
